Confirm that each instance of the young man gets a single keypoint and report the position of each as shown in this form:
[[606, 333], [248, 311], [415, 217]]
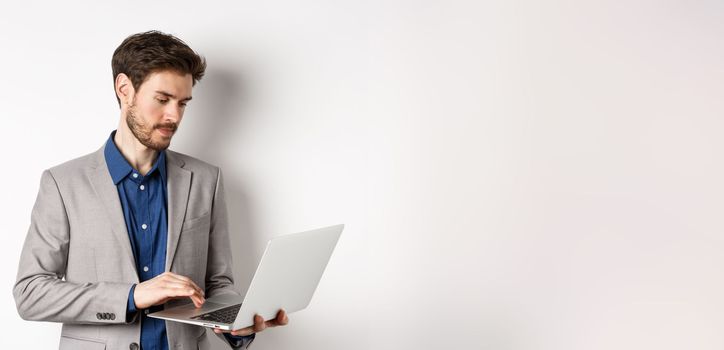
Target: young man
[[132, 227]]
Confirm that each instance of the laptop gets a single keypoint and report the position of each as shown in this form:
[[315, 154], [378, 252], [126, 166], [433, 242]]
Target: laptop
[[286, 278]]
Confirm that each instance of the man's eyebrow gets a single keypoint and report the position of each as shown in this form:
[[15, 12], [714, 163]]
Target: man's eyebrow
[[167, 94]]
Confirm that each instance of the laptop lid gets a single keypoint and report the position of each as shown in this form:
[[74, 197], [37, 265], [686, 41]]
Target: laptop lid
[[288, 274]]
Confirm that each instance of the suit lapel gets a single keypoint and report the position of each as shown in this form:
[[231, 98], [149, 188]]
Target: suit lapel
[[178, 186], [108, 194]]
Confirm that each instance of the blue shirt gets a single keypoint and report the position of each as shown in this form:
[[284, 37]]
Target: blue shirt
[[143, 199], [144, 202]]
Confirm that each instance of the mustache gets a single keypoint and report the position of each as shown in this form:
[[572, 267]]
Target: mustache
[[170, 126]]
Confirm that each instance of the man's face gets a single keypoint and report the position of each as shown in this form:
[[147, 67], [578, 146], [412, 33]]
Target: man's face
[[157, 108]]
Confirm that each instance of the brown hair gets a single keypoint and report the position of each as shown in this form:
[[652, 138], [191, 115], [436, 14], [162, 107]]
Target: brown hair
[[141, 54]]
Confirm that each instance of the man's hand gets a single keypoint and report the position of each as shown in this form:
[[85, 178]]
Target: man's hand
[[260, 325], [164, 287]]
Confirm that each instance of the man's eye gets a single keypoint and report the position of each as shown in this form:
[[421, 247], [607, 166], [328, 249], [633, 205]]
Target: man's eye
[[182, 104], [161, 100]]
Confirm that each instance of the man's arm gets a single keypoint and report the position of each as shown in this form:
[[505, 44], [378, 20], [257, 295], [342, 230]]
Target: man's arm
[[40, 292], [219, 275]]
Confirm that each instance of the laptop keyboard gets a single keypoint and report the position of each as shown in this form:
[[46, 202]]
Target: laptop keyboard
[[225, 315]]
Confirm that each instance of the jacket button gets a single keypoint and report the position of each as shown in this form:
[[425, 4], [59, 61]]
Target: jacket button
[[98, 315], [113, 316], [133, 346]]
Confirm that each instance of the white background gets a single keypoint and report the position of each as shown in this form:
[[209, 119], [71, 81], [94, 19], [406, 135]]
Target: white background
[[512, 174]]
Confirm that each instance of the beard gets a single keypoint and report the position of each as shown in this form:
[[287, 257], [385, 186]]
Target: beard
[[144, 132]]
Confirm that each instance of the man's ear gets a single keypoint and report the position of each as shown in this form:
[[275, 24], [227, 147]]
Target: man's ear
[[124, 89]]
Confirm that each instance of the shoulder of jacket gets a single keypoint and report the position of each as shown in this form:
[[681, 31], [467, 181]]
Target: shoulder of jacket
[[73, 166], [192, 163]]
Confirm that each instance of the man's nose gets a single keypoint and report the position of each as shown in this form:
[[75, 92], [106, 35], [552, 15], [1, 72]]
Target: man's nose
[[172, 113]]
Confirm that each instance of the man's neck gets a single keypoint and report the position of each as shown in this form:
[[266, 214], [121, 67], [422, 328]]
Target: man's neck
[[138, 156]]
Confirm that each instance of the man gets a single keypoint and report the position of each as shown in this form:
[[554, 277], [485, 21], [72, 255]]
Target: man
[[132, 227]]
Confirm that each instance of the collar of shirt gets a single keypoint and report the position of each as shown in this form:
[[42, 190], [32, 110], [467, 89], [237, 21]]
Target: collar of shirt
[[118, 165]]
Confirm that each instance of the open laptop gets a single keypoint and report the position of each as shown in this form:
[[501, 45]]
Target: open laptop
[[286, 278]]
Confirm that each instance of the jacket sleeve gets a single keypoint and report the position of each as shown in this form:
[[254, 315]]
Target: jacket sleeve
[[41, 292], [219, 275]]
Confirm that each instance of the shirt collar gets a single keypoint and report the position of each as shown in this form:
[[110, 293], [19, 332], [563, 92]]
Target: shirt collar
[[118, 165]]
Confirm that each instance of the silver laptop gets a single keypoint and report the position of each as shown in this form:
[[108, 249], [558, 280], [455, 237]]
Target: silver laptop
[[287, 275]]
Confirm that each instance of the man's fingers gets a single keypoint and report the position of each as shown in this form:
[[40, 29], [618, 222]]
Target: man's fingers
[[198, 301], [191, 283], [282, 318], [172, 277], [175, 289], [259, 323], [165, 286], [180, 289], [277, 322], [244, 331]]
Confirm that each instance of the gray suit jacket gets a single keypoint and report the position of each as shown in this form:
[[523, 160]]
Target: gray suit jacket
[[77, 265]]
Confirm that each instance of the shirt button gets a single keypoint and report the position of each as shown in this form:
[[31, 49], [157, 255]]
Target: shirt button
[[145, 269], [135, 175], [142, 187], [144, 226]]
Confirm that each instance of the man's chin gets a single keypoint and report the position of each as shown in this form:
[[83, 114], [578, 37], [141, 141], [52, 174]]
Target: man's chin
[[163, 146], [159, 144]]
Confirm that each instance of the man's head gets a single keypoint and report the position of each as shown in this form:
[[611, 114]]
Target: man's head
[[153, 74]]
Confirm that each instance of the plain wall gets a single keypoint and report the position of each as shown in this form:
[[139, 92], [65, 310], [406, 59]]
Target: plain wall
[[512, 174]]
